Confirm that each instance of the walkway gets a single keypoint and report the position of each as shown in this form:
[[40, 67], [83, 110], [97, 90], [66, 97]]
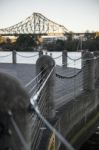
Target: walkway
[[62, 94]]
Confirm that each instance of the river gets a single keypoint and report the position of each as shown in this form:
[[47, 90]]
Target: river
[[26, 58]]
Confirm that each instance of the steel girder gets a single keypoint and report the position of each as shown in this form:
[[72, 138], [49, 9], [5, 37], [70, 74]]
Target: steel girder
[[35, 24]]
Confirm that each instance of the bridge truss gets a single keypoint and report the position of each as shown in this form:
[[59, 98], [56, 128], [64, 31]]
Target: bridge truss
[[35, 24]]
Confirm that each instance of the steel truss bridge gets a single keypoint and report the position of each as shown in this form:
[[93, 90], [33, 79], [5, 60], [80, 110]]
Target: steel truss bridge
[[36, 24]]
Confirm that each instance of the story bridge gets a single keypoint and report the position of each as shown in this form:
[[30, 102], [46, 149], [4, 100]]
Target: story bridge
[[54, 108], [36, 24]]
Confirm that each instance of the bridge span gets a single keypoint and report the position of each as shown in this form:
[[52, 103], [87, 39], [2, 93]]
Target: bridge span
[[49, 107], [36, 24]]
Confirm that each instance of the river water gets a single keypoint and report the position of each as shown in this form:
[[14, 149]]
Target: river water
[[24, 58]]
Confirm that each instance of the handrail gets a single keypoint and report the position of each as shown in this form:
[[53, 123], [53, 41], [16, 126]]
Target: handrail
[[29, 83], [26, 146], [33, 101], [42, 86], [26, 56], [6, 55], [61, 138]]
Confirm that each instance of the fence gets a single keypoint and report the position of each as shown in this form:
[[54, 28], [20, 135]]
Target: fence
[[29, 121], [31, 57]]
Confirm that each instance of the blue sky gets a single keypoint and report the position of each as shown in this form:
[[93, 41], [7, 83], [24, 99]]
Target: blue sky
[[75, 15]]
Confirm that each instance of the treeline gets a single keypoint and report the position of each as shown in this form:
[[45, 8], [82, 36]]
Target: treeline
[[21, 43], [88, 41], [31, 43], [73, 45]]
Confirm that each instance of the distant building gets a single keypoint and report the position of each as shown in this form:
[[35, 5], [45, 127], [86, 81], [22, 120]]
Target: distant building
[[79, 37], [50, 39]]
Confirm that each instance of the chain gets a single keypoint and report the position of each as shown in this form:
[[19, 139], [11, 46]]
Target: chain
[[26, 56], [57, 57], [6, 55], [68, 77], [74, 59]]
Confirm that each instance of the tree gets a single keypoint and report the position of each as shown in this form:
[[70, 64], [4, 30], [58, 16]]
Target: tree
[[8, 40], [89, 35], [25, 41], [70, 36], [2, 40], [58, 45]]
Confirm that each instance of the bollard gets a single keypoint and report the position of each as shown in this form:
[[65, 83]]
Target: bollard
[[88, 71], [14, 102], [64, 58], [45, 64], [40, 53], [82, 54], [51, 54], [14, 56], [46, 53]]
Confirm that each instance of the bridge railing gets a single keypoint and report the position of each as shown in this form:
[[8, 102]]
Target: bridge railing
[[48, 115]]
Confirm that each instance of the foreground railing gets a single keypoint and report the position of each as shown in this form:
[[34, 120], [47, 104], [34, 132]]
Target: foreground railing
[[32, 117]]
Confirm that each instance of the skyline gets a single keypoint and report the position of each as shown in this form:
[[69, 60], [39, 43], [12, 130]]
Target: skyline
[[76, 16]]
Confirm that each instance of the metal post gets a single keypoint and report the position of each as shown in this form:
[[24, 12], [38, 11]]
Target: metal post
[[64, 58], [88, 71], [82, 54], [45, 53], [14, 57], [40, 53], [45, 64], [51, 54]]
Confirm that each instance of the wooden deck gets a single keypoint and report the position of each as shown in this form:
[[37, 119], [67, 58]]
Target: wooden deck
[[65, 89]]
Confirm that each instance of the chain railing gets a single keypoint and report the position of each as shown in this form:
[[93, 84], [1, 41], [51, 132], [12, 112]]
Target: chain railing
[[68, 77], [38, 106], [26, 56], [1, 56], [18, 132], [34, 103], [74, 59], [57, 57]]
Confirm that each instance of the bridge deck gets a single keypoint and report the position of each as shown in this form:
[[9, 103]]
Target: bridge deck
[[62, 94]]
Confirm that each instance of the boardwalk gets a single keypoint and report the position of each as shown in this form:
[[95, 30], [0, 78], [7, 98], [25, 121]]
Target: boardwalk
[[65, 89], [63, 99]]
